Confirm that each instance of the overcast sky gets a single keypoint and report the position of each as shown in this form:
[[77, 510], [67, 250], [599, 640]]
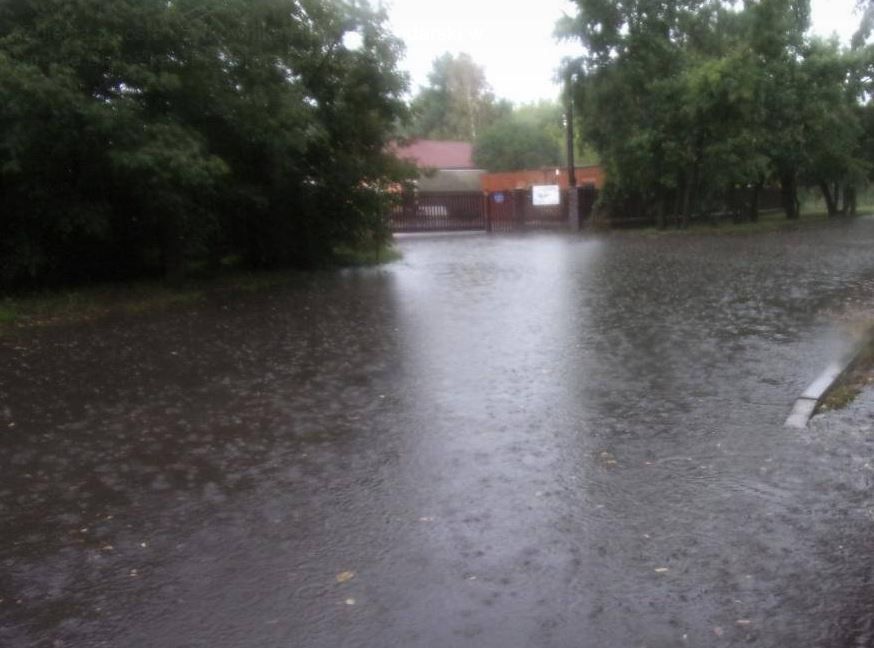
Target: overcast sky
[[512, 39]]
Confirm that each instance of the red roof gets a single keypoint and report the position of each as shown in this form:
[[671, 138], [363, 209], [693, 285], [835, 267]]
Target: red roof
[[438, 154]]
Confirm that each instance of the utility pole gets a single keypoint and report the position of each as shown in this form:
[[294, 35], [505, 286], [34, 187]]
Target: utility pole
[[573, 196], [571, 165]]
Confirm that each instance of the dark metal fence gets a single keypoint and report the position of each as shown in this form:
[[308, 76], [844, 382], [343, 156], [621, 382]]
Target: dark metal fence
[[543, 216], [735, 204], [439, 212], [500, 211], [515, 210], [768, 198], [510, 211]]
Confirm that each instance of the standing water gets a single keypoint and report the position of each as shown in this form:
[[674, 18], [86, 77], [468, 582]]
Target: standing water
[[540, 440]]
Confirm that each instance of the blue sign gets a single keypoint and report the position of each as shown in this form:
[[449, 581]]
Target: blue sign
[[499, 198]]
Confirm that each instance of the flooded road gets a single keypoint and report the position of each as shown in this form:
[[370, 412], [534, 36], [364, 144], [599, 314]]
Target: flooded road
[[498, 441]]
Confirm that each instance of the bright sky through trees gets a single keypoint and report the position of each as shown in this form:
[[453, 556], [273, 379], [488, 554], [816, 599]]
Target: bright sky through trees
[[512, 39]]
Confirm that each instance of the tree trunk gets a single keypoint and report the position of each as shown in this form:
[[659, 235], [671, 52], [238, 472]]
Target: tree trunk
[[691, 193], [172, 257], [849, 208], [754, 202], [678, 202], [661, 219], [471, 115], [687, 198], [831, 201], [789, 195]]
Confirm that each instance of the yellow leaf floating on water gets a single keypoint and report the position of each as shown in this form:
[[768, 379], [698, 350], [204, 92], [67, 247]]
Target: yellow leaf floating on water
[[345, 577]]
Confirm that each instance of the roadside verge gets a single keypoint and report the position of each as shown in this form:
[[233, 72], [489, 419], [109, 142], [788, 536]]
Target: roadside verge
[[808, 403]]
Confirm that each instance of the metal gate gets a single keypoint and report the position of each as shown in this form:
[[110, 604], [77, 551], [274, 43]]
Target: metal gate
[[439, 212], [500, 211], [509, 211]]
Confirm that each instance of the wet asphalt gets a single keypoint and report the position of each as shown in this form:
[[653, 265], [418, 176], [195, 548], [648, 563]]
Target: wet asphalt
[[499, 441]]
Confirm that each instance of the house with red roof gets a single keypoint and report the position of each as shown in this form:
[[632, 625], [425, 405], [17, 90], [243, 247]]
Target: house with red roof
[[444, 166]]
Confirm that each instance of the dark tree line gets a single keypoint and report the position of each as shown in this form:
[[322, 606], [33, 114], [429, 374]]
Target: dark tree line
[[686, 101], [138, 136]]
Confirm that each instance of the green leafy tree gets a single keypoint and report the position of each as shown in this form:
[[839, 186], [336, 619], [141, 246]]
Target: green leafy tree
[[627, 89], [138, 135], [511, 144], [684, 100], [458, 102], [530, 137], [834, 159]]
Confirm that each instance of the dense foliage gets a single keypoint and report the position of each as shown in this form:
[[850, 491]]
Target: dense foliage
[[530, 137], [687, 100], [457, 103], [140, 136]]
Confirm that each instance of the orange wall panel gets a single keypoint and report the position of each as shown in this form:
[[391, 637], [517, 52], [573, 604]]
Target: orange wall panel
[[524, 179]]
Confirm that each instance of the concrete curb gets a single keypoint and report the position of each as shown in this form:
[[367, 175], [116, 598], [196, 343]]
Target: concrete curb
[[805, 406]]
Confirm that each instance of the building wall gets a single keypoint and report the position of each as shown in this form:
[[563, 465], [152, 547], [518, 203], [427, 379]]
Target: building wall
[[588, 175], [451, 180]]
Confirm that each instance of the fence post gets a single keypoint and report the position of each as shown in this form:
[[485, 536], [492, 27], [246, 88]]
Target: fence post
[[487, 210], [519, 206], [573, 209], [408, 210]]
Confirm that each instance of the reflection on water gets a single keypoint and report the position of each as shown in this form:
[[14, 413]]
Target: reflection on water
[[511, 441]]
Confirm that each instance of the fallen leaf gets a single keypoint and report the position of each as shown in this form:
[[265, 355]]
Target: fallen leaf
[[345, 577], [350, 601], [743, 622], [662, 570], [718, 631]]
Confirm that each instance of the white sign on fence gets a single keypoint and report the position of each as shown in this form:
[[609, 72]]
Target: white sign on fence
[[543, 195]]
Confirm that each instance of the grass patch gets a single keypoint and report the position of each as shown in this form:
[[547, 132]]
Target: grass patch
[[96, 302], [84, 304], [771, 221], [840, 397], [254, 282], [161, 299], [8, 314], [859, 376], [365, 255]]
